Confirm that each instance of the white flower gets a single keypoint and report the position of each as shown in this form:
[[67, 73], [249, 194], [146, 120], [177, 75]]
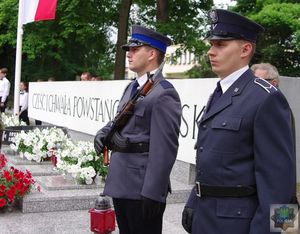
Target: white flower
[[77, 159], [39, 142], [11, 120]]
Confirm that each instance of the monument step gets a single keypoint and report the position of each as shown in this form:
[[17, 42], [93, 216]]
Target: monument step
[[62, 193], [71, 196], [66, 182], [39, 170], [60, 200]]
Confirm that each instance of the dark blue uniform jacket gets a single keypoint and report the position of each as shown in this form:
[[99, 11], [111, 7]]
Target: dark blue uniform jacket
[[244, 139]]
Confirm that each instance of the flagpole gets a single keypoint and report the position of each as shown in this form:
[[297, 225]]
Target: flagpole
[[18, 59]]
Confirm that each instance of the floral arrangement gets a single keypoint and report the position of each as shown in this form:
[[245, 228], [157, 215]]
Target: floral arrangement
[[11, 120], [35, 144], [14, 184], [81, 161], [78, 159]]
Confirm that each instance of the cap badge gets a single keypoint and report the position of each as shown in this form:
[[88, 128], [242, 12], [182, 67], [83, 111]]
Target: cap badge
[[213, 16]]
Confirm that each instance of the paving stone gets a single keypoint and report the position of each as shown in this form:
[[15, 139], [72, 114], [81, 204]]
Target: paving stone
[[74, 222]]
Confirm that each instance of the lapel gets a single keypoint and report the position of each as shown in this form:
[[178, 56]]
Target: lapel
[[226, 99]]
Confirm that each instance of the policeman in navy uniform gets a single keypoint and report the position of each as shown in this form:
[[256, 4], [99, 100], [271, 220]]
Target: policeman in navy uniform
[[245, 154], [138, 176]]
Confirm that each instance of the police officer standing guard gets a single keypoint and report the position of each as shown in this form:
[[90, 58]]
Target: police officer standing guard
[[146, 148], [245, 153]]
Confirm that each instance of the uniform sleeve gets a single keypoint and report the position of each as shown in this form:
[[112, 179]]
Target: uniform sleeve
[[164, 132], [104, 130], [273, 159]]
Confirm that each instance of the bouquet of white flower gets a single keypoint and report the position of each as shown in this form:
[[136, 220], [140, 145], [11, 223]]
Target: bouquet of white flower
[[35, 144], [11, 120], [80, 160]]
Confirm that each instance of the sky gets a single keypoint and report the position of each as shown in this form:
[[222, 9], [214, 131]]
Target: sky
[[224, 2]]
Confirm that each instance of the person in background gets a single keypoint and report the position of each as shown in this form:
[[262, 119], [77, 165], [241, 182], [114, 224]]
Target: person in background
[[51, 78], [245, 151], [23, 114], [267, 72], [4, 89], [96, 78], [86, 76], [142, 158]]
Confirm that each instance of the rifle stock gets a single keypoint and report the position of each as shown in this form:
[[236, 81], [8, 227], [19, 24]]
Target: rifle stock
[[123, 117], [105, 156]]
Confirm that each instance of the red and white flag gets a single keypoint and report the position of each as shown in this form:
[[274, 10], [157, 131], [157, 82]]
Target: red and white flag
[[35, 10]]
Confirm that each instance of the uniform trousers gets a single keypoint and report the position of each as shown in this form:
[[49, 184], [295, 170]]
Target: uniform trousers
[[38, 122], [24, 116], [2, 108], [130, 218]]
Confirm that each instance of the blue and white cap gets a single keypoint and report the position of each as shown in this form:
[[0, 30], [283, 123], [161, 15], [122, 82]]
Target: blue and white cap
[[144, 36]]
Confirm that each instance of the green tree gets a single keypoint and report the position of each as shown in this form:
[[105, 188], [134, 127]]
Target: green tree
[[77, 40], [124, 11], [280, 43], [183, 22]]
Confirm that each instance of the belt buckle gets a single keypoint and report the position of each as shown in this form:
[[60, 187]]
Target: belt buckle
[[198, 189]]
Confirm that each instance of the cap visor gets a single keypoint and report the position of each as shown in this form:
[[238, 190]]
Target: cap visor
[[215, 37], [127, 46]]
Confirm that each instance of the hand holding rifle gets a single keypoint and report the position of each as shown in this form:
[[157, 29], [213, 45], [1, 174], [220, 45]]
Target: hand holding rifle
[[102, 139]]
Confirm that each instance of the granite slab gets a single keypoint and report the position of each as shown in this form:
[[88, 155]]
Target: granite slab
[[60, 182]]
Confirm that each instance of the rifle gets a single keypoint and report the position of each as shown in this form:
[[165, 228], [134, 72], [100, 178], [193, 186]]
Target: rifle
[[125, 114]]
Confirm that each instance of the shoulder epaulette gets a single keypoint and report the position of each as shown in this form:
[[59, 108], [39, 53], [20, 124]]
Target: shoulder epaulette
[[265, 85], [166, 84]]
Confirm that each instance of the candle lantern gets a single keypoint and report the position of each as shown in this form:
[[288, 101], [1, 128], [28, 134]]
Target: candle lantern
[[102, 217]]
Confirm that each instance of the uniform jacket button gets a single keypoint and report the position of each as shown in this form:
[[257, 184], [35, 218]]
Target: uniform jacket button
[[204, 126], [224, 124], [239, 213], [201, 149]]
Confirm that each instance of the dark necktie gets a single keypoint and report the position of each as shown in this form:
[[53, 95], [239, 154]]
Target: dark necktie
[[216, 95], [134, 88]]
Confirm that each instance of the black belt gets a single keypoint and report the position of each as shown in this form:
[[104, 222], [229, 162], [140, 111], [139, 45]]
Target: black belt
[[224, 191], [140, 147]]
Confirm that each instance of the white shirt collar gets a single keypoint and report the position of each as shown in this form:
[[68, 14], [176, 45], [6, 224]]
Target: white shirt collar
[[143, 79], [229, 80]]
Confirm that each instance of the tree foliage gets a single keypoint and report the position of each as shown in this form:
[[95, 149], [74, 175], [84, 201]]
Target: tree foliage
[[280, 43], [185, 25], [77, 40], [80, 38], [119, 72]]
